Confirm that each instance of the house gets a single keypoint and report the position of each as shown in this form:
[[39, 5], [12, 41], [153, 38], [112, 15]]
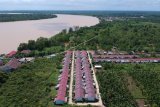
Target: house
[[26, 60], [11, 54], [60, 101], [100, 52], [124, 60], [1, 62], [11, 65], [116, 56], [110, 53], [26, 51], [50, 56], [14, 63], [97, 66]]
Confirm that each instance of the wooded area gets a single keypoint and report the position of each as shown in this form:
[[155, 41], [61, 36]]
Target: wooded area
[[32, 84], [24, 16], [115, 92]]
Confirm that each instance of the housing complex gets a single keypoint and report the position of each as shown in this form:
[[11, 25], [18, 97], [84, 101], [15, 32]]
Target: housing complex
[[77, 81]]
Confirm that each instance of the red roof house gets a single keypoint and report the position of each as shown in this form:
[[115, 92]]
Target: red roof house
[[11, 54], [13, 63]]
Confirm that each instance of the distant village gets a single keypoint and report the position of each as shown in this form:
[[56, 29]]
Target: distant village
[[111, 19]]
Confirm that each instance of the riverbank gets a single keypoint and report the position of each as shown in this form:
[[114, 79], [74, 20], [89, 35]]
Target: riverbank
[[11, 17], [14, 33]]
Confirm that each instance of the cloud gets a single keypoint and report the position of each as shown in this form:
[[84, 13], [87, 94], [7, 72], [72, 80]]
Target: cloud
[[80, 4]]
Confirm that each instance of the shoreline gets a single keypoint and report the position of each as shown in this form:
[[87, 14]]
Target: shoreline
[[30, 20], [23, 31]]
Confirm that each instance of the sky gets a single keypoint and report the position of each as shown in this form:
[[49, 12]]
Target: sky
[[144, 5]]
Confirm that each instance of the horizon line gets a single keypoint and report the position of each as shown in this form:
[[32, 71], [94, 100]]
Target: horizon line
[[88, 10]]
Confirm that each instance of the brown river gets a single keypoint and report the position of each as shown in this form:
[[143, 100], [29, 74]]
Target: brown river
[[14, 33]]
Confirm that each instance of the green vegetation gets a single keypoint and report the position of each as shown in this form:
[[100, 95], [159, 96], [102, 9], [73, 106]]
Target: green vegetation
[[148, 79], [3, 78], [127, 35], [117, 92], [31, 85], [21, 17], [113, 91], [132, 87]]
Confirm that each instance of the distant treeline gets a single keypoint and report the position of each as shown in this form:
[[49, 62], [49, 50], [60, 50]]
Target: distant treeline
[[44, 46], [96, 13], [149, 16], [22, 17]]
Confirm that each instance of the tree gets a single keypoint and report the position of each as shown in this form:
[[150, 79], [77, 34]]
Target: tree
[[70, 30], [3, 77], [22, 46], [41, 43], [64, 31], [31, 44]]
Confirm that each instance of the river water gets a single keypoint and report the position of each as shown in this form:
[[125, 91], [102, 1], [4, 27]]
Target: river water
[[14, 33]]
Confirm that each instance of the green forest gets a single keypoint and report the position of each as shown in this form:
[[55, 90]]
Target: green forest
[[116, 92], [32, 84], [21, 17]]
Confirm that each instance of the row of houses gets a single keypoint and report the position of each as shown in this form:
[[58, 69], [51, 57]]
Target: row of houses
[[62, 86], [137, 60], [85, 89], [116, 56], [114, 51], [104, 56], [79, 90]]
